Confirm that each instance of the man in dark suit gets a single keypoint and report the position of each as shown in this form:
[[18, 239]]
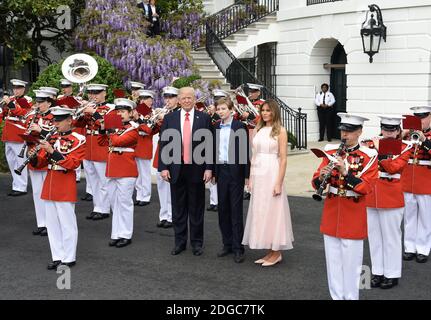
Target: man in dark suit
[[147, 12], [187, 172], [231, 171]]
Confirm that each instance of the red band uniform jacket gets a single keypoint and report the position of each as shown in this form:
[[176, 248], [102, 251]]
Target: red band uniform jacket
[[13, 115], [60, 182], [346, 216]]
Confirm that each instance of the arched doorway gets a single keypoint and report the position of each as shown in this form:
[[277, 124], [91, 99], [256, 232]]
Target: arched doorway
[[338, 84]]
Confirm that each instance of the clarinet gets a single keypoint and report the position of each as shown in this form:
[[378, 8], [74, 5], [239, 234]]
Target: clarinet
[[318, 195], [27, 132], [48, 136]]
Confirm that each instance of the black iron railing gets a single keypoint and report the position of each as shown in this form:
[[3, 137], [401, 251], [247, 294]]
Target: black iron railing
[[311, 2], [237, 74], [240, 15]]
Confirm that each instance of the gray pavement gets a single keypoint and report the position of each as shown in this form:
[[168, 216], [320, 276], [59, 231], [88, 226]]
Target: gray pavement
[[146, 270]]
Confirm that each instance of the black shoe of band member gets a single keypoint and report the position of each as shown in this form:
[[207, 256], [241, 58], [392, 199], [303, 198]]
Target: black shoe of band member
[[168, 225], [421, 258], [145, 203], [113, 242], [90, 216], [215, 208], [210, 207], [408, 256], [376, 280], [38, 231], [100, 216], [87, 197], [123, 242], [68, 264], [388, 283], [44, 232], [161, 224], [15, 193], [53, 265], [198, 251]]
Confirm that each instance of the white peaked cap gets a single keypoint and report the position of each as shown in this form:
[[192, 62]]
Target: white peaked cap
[[62, 111], [170, 90], [351, 118], [51, 90], [123, 102], [42, 94], [390, 119], [20, 83], [135, 84], [65, 82], [220, 93], [421, 109], [254, 86], [146, 93], [96, 86]]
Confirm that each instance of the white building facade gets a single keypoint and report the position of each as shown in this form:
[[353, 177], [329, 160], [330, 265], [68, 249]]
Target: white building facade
[[310, 36]]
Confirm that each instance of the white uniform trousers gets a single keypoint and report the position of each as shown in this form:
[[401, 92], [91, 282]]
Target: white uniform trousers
[[143, 183], [96, 173], [12, 150], [78, 173], [164, 190], [121, 198], [384, 238], [213, 194], [417, 223], [37, 178], [344, 267], [62, 230]]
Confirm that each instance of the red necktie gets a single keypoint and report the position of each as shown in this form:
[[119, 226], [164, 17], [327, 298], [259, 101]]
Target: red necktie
[[187, 133]]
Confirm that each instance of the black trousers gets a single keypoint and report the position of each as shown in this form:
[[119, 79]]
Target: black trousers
[[188, 207], [230, 213], [325, 122]]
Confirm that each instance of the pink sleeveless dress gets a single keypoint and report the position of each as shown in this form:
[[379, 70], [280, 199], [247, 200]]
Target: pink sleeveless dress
[[268, 224]]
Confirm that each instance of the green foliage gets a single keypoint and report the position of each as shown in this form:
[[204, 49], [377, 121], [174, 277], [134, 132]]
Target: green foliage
[[167, 7], [3, 163], [24, 25], [186, 81], [106, 74], [292, 140]]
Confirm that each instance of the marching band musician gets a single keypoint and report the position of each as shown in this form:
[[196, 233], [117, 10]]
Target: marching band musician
[[385, 207], [96, 155], [344, 219], [134, 88], [66, 88], [121, 171], [417, 193], [63, 154], [14, 125], [39, 124], [144, 154], [52, 91], [170, 97]]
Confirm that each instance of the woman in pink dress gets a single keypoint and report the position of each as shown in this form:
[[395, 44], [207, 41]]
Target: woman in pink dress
[[268, 224]]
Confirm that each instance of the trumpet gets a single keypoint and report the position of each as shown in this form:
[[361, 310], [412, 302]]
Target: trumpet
[[33, 112], [19, 170], [415, 135], [155, 116], [318, 195], [79, 112]]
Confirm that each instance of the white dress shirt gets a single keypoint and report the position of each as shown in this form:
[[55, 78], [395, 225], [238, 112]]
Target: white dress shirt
[[329, 99]]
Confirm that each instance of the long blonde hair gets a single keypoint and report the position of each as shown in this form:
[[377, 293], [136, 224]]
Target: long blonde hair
[[274, 108]]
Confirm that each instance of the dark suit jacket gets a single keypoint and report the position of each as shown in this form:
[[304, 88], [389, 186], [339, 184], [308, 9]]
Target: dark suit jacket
[[172, 121], [239, 172], [149, 16]]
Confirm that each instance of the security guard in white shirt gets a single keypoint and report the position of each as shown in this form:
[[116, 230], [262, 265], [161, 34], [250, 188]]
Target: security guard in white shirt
[[325, 101]]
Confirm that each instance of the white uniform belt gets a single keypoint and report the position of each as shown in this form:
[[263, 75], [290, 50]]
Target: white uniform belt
[[388, 175], [56, 167], [420, 162], [13, 118], [121, 149], [343, 192], [143, 133], [92, 131]]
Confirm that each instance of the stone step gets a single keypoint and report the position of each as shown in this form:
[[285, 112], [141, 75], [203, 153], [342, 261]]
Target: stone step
[[211, 73], [205, 65], [230, 42], [248, 31], [260, 25], [238, 37], [200, 55]]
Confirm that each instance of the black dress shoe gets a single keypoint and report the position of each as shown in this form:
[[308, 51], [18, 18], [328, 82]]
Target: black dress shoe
[[145, 203], [113, 242], [321, 139], [53, 265], [168, 225], [210, 207], [215, 208], [388, 283], [38, 231], [161, 224], [329, 140], [69, 264], [376, 281], [238, 257], [100, 216], [44, 232], [177, 250], [123, 242], [421, 258], [90, 216], [246, 195], [407, 256], [198, 251], [87, 197], [224, 252], [15, 193]]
